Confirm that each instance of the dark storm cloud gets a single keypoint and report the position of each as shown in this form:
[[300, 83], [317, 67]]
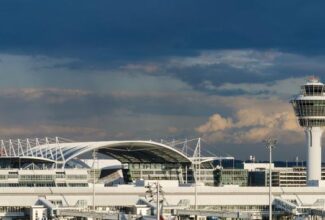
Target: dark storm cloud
[[210, 70], [27, 105], [101, 30], [218, 74], [106, 35]]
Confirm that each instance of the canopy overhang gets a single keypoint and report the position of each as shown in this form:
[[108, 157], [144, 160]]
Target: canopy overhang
[[125, 151]]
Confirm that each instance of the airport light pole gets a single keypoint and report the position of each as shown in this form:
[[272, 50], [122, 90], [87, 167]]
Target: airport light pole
[[270, 144], [94, 179], [158, 188], [155, 194]]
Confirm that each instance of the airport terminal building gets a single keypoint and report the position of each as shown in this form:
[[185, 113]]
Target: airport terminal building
[[48, 179]]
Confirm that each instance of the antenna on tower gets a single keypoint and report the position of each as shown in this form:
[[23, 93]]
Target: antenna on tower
[[297, 161], [313, 79]]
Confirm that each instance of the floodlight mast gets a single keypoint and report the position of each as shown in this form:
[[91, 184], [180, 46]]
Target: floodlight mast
[[156, 195], [270, 144], [309, 108], [94, 179]]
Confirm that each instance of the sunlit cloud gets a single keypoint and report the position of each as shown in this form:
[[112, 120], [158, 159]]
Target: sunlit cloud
[[253, 122]]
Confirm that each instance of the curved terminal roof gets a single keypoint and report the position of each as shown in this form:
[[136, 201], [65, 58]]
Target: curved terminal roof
[[125, 151], [64, 152]]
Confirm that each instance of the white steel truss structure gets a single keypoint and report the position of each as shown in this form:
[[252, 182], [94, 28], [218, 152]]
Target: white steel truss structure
[[60, 150]]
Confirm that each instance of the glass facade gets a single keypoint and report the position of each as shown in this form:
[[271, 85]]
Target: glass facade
[[45, 178], [155, 171], [312, 90], [305, 108], [290, 177], [311, 122], [234, 177]]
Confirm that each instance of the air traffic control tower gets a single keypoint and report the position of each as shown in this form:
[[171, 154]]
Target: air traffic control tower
[[309, 108]]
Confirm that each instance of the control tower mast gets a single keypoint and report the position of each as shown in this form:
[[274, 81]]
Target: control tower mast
[[309, 108]]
